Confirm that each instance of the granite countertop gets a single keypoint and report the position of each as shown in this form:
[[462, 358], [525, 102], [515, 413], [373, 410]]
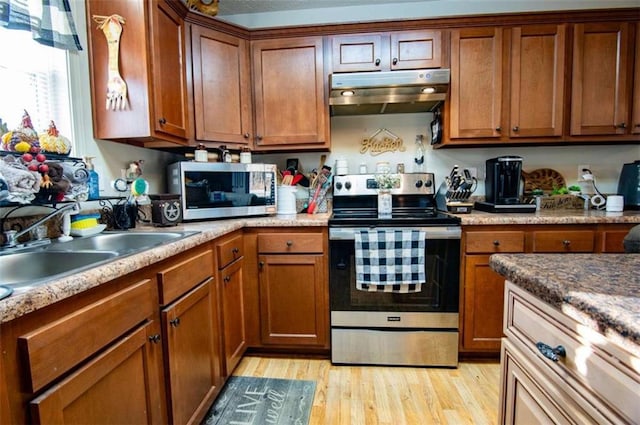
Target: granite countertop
[[21, 303], [601, 291], [550, 217]]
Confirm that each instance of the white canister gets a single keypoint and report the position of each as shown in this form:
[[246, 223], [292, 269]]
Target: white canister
[[286, 205], [615, 203]]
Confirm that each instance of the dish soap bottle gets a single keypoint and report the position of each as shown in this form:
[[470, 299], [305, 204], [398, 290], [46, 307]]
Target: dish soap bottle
[[93, 182]]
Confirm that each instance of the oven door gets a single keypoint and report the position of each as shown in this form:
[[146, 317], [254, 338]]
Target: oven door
[[442, 267]]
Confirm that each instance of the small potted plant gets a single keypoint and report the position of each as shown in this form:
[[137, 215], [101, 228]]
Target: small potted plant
[[574, 189], [385, 182]]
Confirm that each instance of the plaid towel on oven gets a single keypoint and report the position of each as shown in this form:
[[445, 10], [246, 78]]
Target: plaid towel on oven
[[390, 260]]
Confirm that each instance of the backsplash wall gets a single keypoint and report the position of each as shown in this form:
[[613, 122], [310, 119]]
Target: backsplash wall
[[347, 133]]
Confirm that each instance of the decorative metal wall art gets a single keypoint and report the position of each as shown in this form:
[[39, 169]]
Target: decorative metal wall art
[[381, 141]]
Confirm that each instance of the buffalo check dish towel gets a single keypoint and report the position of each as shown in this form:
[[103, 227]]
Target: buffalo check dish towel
[[390, 260]]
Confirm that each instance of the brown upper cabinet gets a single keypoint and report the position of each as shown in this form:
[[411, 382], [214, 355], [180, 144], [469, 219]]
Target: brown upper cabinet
[[507, 84], [150, 59], [475, 106], [386, 51], [291, 108], [600, 103], [537, 90], [221, 87], [635, 120]]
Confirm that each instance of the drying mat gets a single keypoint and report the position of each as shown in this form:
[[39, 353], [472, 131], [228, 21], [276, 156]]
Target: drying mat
[[545, 179], [259, 401]]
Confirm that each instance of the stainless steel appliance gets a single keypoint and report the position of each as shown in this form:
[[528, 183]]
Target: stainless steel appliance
[[503, 186], [629, 185], [211, 190], [387, 92], [418, 328]]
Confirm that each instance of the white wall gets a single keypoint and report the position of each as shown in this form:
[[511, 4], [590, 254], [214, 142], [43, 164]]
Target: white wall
[[347, 133]]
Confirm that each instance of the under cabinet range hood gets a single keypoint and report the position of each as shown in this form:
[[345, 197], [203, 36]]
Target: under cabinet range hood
[[387, 92]]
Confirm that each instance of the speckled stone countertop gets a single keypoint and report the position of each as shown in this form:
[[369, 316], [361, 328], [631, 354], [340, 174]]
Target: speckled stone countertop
[[550, 217], [21, 303], [601, 291]]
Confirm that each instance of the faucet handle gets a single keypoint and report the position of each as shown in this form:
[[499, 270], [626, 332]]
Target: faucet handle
[[10, 238]]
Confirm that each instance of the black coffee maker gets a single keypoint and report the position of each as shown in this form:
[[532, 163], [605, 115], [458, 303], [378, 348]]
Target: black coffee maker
[[503, 185]]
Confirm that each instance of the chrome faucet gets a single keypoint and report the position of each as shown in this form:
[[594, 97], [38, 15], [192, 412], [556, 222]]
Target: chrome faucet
[[12, 236]]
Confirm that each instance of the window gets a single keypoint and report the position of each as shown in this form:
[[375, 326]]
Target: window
[[33, 77]]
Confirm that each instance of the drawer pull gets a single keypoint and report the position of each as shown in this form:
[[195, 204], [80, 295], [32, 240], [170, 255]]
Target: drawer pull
[[566, 242], [155, 338], [227, 279], [235, 250], [496, 243], [175, 322], [551, 353], [289, 243]]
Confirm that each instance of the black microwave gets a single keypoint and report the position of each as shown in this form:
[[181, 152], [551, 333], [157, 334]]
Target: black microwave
[[210, 190]]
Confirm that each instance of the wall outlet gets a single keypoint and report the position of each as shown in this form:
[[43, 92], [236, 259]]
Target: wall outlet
[[580, 172]]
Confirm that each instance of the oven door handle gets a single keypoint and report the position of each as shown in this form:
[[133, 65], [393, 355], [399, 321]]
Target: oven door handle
[[435, 232]]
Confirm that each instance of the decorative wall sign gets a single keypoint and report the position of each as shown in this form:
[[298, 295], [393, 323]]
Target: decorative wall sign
[[382, 141], [111, 26]]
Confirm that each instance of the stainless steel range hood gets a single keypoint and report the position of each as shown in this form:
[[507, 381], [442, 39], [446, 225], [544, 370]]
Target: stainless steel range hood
[[390, 92]]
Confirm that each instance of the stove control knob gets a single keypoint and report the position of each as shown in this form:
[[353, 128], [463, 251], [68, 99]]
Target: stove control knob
[[428, 183], [338, 185], [347, 185], [418, 184]]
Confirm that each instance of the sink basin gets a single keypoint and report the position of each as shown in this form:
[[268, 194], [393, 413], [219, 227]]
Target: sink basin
[[28, 269], [120, 242], [25, 270]]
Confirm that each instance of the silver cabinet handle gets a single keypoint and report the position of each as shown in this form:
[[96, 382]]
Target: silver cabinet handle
[[551, 353]]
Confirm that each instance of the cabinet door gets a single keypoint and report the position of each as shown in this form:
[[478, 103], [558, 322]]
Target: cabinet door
[[600, 104], [483, 305], [235, 341], [635, 119], [192, 354], [168, 65], [120, 385], [476, 83], [293, 309], [361, 52], [291, 106], [416, 49], [221, 86], [537, 80]]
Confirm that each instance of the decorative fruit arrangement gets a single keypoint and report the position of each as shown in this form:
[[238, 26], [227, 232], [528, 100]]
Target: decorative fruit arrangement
[[53, 142], [22, 139], [35, 162]]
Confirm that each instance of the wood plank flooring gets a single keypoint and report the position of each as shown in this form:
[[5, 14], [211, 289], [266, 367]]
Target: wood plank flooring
[[369, 395]]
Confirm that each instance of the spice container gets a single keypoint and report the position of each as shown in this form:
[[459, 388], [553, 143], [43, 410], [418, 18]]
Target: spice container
[[245, 155], [201, 154]]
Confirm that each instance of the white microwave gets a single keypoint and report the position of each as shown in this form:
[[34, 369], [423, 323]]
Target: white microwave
[[210, 190]]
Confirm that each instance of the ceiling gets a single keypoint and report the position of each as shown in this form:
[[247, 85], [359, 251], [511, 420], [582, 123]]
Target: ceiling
[[278, 13]]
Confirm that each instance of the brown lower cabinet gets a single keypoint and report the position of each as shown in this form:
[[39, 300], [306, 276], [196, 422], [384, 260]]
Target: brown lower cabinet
[[287, 289], [482, 289]]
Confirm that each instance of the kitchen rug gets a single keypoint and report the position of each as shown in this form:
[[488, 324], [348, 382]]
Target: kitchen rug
[[259, 401]]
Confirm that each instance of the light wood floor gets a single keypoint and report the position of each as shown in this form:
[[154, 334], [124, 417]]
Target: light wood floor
[[371, 395]]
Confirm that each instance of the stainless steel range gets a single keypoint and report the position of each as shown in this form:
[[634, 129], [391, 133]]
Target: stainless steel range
[[418, 328]]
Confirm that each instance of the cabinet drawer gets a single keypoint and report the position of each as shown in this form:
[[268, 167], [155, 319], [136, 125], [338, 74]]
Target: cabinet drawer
[[613, 240], [54, 349], [492, 242], [229, 250], [588, 369], [286, 243], [563, 241], [179, 278]]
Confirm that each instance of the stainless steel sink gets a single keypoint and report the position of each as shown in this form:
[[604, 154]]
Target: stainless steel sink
[[28, 269], [121, 242], [25, 270]]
